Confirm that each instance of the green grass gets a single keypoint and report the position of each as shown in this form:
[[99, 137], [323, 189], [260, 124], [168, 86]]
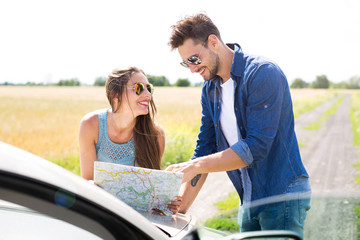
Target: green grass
[[224, 223], [355, 117], [301, 144], [226, 218], [232, 201], [180, 144], [357, 212], [316, 125], [307, 105], [355, 120], [68, 162]]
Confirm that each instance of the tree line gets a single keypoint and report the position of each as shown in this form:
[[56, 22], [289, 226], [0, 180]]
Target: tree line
[[323, 82], [100, 81], [156, 81], [61, 82], [320, 82]]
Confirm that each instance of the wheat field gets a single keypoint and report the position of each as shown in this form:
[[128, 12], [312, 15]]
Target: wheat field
[[45, 120]]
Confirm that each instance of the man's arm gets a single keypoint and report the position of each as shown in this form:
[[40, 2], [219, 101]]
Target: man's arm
[[195, 173], [190, 190], [226, 160]]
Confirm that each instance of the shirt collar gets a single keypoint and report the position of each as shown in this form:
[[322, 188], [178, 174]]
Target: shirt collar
[[237, 69], [238, 66]]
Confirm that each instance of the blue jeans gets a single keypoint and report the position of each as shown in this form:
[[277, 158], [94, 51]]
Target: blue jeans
[[286, 212]]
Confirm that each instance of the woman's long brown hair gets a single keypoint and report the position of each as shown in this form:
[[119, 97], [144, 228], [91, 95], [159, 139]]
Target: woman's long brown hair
[[146, 133]]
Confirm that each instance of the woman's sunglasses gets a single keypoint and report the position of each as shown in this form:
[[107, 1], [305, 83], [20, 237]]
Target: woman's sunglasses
[[140, 87]]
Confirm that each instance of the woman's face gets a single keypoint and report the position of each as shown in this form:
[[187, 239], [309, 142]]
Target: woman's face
[[137, 104]]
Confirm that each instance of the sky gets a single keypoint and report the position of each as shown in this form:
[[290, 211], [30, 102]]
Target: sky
[[44, 41]]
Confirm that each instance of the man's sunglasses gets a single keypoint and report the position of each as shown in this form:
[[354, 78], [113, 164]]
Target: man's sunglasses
[[140, 87], [193, 60]]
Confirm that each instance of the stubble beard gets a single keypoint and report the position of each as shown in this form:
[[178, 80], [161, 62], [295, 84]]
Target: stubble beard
[[214, 67]]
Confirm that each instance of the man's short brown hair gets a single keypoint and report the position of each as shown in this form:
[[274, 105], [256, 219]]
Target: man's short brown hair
[[197, 27]]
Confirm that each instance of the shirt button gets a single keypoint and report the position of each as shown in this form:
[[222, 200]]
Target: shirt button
[[215, 125], [218, 107]]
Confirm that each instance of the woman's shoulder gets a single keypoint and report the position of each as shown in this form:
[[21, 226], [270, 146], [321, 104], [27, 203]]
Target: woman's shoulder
[[91, 119], [159, 128]]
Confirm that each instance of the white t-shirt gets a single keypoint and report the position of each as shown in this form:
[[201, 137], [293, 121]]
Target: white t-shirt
[[230, 129], [227, 115]]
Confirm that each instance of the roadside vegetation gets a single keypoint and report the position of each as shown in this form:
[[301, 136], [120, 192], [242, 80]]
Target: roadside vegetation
[[355, 120], [226, 218], [317, 124], [308, 104]]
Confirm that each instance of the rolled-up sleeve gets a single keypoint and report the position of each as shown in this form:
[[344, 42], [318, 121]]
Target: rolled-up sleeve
[[243, 150]]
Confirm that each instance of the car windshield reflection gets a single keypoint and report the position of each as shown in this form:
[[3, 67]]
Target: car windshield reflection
[[35, 225]]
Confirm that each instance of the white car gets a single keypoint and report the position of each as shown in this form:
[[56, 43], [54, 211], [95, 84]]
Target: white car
[[41, 200]]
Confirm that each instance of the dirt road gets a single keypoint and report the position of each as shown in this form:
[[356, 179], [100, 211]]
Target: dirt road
[[329, 157]]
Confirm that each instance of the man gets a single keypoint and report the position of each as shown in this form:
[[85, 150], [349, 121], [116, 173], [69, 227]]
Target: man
[[247, 129]]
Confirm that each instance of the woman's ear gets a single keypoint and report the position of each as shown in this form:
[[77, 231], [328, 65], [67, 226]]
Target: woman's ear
[[115, 97], [115, 101]]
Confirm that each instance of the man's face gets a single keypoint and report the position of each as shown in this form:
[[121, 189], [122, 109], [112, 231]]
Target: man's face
[[209, 60]]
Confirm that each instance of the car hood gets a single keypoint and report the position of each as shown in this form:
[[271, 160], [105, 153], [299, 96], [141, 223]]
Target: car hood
[[22, 163]]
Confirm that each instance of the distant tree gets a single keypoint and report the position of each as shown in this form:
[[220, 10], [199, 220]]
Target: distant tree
[[158, 80], [182, 82], [299, 83], [320, 82], [354, 82], [198, 84], [34, 84], [100, 81], [69, 82], [340, 85], [22, 84]]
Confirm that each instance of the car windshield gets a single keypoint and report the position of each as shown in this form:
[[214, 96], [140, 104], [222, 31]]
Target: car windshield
[[35, 225]]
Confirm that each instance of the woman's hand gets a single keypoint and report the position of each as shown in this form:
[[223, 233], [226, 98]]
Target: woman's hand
[[175, 205]]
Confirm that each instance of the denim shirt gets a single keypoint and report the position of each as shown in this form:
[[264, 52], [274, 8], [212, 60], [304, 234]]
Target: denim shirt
[[265, 118]]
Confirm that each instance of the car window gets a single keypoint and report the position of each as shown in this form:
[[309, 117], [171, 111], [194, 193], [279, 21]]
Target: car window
[[23, 223], [83, 214]]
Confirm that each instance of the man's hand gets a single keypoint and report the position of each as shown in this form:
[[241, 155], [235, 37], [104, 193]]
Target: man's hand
[[189, 169]]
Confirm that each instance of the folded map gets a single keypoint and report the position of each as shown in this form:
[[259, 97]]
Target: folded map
[[142, 188]]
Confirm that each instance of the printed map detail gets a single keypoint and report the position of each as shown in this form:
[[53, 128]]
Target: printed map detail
[[142, 188]]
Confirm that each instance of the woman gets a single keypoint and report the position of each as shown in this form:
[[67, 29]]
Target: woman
[[126, 133]]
